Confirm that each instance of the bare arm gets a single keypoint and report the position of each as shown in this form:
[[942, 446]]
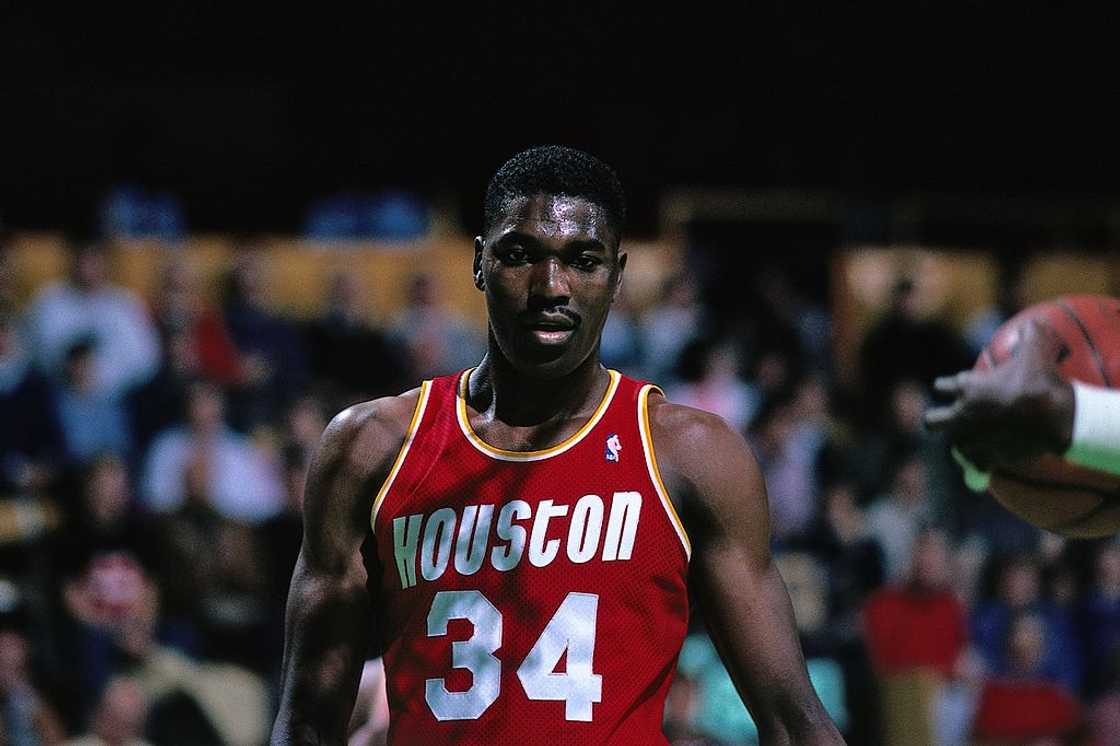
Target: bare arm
[[328, 615], [722, 499]]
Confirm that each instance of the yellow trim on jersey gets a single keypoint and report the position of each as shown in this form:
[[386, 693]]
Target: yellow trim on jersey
[[502, 454], [654, 470], [417, 416]]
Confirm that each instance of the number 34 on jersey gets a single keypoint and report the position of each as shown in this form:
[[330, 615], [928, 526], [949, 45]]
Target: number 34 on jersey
[[571, 630]]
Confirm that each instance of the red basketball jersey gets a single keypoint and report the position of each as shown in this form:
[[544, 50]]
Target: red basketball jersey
[[528, 597]]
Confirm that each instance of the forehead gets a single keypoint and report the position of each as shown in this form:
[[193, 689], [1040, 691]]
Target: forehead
[[557, 218]]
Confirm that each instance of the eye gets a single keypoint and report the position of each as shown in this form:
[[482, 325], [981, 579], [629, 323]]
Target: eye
[[513, 255], [586, 262]]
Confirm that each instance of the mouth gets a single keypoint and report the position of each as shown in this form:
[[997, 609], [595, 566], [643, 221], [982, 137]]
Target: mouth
[[551, 329]]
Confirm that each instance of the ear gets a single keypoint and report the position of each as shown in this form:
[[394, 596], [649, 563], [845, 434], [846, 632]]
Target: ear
[[478, 281], [618, 275]]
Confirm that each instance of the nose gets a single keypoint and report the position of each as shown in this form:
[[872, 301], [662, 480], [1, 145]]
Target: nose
[[549, 281]]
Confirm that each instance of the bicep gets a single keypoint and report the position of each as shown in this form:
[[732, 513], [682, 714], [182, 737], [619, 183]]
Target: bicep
[[335, 502]]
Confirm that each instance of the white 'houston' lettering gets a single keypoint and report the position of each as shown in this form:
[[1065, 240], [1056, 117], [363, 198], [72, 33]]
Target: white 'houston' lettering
[[622, 526], [585, 529], [470, 546], [540, 552], [433, 557], [406, 534], [505, 558]]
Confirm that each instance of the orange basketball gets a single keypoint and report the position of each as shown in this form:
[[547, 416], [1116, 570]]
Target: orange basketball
[[1049, 492]]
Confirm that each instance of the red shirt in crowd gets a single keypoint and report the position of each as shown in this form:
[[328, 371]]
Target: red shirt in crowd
[[909, 629], [1015, 710]]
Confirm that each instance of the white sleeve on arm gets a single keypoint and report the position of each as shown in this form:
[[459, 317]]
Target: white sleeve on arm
[[1096, 428]]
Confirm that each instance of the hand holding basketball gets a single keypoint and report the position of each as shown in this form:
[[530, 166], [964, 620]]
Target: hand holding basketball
[[1013, 412]]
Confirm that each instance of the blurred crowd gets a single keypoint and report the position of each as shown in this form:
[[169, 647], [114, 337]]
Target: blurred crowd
[[153, 452]]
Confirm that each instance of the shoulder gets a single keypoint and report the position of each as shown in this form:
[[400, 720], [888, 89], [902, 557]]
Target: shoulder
[[695, 446], [711, 476], [355, 454], [364, 438]]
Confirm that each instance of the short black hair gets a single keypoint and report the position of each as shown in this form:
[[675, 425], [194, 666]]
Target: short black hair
[[556, 170]]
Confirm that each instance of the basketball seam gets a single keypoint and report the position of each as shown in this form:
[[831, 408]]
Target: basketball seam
[[1088, 339], [1108, 499], [1080, 520]]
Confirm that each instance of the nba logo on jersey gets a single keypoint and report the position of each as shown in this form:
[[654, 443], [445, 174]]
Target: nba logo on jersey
[[613, 447]]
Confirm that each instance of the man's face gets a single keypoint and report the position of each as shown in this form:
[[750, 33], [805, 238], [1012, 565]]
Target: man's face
[[89, 269], [550, 268]]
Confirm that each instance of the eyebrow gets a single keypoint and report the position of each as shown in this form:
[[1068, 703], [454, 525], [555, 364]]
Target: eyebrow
[[580, 244]]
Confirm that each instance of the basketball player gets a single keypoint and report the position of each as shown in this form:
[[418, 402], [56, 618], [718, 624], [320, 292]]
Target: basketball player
[[1022, 408], [510, 537]]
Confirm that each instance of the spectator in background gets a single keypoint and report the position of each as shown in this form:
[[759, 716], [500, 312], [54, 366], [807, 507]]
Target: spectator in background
[[918, 624], [119, 717], [920, 627], [1104, 714], [306, 421], [235, 480], [854, 559], [162, 402], [271, 347], [348, 353], [30, 438], [438, 341], [1018, 594], [682, 704], [369, 721], [788, 309], [87, 306], [669, 325], [1100, 620], [281, 537], [904, 345], [26, 716], [196, 344], [901, 431], [709, 380], [787, 463], [179, 308], [855, 570], [621, 346], [116, 608], [105, 519], [93, 420], [896, 518], [1023, 705]]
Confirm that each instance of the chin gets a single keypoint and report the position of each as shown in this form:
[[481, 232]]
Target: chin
[[547, 362]]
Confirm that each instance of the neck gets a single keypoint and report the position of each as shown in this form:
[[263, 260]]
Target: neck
[[520, 400]]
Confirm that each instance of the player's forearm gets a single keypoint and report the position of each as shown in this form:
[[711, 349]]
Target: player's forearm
[[802, 723], [754, 633], [324, 647]]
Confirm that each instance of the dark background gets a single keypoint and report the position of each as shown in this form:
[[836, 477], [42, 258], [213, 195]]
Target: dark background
[[248, 115]]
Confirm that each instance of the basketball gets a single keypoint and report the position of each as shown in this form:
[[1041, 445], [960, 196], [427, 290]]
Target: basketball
[[1049, 492]]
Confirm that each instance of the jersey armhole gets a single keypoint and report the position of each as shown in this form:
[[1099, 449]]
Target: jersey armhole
[[413, 426], [655, 471]]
